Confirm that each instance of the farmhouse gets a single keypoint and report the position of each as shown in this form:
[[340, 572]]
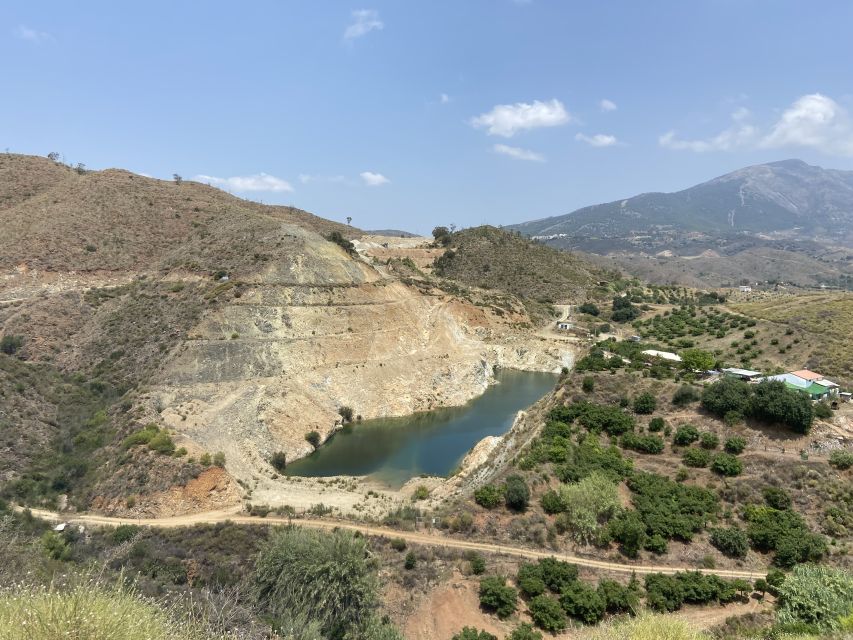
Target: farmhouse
[[814, 385]]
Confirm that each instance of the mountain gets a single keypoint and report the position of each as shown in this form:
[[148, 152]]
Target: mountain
[[785, 199]]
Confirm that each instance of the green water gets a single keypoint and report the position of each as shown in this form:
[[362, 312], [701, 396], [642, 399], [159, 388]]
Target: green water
[[393, 450]]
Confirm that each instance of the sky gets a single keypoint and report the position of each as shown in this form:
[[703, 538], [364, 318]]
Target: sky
[[407, 115]]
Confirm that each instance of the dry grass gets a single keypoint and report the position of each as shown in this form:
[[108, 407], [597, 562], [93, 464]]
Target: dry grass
[[647, 627]]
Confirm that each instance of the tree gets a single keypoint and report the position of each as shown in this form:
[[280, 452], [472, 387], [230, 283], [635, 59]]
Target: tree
[[516, 493], [709, 440], [551, 502], [816, 597], [772, 402], [623, 310], [547, 613], [685, 435], [619, 598], [589, 308], [53, 156], [726, 395], [629, 530], [313, 438], [497, 597], [841, 459], [777, 498], [442, 236], [328, 576], [278, 460], [735, 445], [411, 561], [583, 602], [530, 581], [645, 403], [525, 631], [697, 359], [349, 219], [178, 179], [345, 412], [697, 458]]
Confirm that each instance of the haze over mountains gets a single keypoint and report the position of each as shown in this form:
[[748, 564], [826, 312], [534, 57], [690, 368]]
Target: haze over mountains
[[800, 211]]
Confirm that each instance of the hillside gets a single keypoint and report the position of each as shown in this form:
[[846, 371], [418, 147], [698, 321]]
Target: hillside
[[151, 325], [492, 258]]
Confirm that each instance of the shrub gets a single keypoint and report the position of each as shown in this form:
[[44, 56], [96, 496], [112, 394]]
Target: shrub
[[343, 243], [777, 498], [816, 597], [589, 505], [421, 492], [497, 597], [685, 435], [557, 574], [644, 444], [589, 308], [598, 418], [583, 602], [471, 633], [205, 460], [656, 544], [619, 598], [313, 438], [685, 395], [278, 460], [411, 561], [671, 509], [345, 413], [551, 502], [529, 580], [822, 410], [773, 402], [547, 614], [124, 533], [143, 436], [329, 576], [841, 459], [648, 627], [219, 459], [726, 464], [629, 530], [656, 425], [11, 344], [730, 542], [645, 403], [398, 544], [525, 631], [728, 394], [697, 458], [478, 564], [162, 443], [588, 384], [516, 493], [709, 440], [783, 532], [735, 445], [488, 496]]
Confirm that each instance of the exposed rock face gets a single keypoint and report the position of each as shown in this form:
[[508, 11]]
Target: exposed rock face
[[320, 332]]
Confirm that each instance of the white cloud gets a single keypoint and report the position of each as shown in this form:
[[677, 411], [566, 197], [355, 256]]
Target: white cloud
[[508, 119], [444, 98], [598, 140], [373, 179], [741, 134], [815, 121], [257, 182], [518, 153], [364, 21], [32, 35], [305, 178], [607, 105]]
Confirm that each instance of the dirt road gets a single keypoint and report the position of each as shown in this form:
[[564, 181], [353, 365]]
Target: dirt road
[[435, 539]]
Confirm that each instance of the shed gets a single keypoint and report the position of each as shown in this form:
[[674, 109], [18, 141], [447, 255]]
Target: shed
[[742, 374]]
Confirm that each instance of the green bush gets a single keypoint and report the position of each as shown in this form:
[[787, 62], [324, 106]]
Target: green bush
[[551, 502], [769, 401], [11, 344], [219, 459], [547, 613], [557, 574], [124, 533], [162, 443], [669, 592], [629, 530], [684, 395], [327, 576], [685, 435], [478, 564], [731, 542], [470, 633], [530, 581], [777, 498], [709, 440], [619, 598], [726, 395], [143, 436], [488, 496], [516, 493], [497, 597], [346, 413], [735, 445], [783, 532], [588, 384], [644, 444], [589, 308], [525, 631], [421, 492], [583, 603], [656, 425], [841, 459], [398, 544], [671, 509], [822, 410], [697, 458], [645, 403], [725, 464], [411, 561]]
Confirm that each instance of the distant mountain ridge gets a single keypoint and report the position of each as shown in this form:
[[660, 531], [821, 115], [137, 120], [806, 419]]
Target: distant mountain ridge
[[789, 198]]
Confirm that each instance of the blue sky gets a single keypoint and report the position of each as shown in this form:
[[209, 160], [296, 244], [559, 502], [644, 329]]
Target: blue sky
[[411, 114]]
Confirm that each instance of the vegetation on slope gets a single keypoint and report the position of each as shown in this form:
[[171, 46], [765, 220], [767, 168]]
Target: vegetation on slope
[[492, 258]]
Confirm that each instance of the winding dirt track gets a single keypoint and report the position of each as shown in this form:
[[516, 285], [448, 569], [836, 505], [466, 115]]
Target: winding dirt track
[[427, 539]]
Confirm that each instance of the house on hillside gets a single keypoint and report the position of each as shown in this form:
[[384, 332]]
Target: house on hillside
[[742, 374], [562, 325], [745, 289], [662, 355], [812, 388]]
